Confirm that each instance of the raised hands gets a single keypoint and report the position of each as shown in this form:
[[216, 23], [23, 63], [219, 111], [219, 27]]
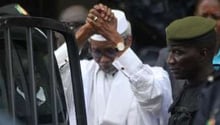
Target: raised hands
[[101, 11], [100, 20], [103, 21]]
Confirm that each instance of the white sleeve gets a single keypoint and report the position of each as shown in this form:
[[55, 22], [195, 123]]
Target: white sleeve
[[151, 85], [61, 55]]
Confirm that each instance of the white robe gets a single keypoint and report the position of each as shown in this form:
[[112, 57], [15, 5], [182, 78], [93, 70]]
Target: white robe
[[138, 94]]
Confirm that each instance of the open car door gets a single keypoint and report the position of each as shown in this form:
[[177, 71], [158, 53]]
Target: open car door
[[31, 89]]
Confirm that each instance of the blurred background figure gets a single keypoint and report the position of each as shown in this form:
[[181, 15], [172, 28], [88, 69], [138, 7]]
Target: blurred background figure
[[211, 9], [74, 16]]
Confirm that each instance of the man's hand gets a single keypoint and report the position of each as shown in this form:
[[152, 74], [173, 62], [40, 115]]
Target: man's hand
[[104, 23], [98, 13]]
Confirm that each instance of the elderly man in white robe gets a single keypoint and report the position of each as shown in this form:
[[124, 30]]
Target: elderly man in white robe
[[119, 89]]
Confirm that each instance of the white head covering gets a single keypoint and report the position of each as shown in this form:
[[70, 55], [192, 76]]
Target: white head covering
[[122, 25]]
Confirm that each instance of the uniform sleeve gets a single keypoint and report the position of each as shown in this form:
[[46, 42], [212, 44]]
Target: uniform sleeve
[[151, 85]]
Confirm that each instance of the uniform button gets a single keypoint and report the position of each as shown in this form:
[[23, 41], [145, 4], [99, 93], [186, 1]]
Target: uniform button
[[122, 68]]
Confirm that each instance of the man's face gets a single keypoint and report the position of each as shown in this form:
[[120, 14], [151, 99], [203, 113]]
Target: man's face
[[183, 61], [210, 9], [104, 54]]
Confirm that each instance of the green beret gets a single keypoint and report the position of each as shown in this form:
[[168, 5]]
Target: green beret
[[189, 28]]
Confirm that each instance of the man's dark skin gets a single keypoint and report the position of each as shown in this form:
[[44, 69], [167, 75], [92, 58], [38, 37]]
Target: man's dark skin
[[192, 62], [106, 28], [189, 62]]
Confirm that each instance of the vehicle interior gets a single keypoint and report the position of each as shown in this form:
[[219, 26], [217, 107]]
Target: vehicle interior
[[31, 90]]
